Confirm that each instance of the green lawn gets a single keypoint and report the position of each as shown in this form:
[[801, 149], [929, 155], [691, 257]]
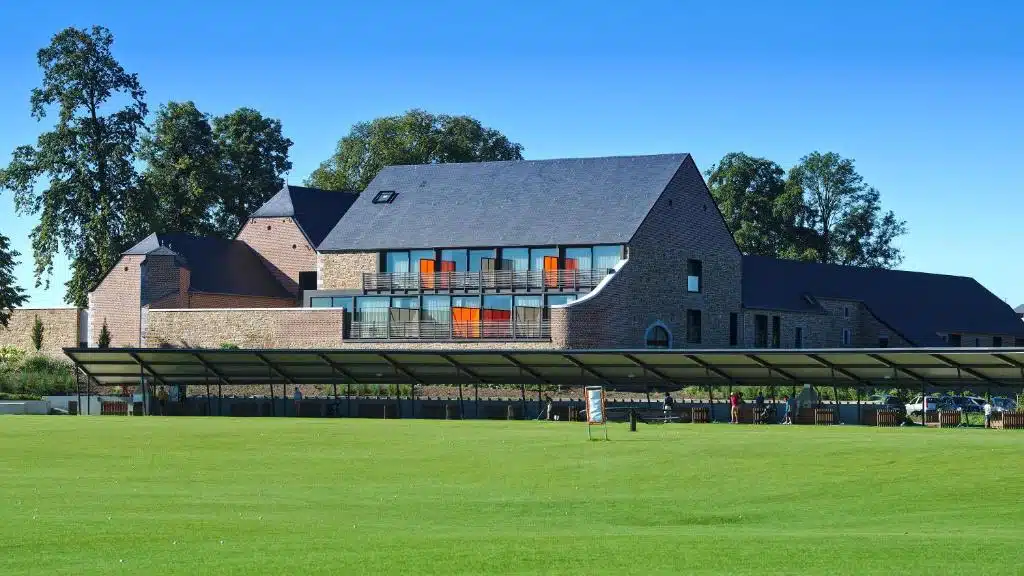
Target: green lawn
[[276, 496]]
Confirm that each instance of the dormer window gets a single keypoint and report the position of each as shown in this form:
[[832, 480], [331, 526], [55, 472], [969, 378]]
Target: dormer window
[[385, 197]]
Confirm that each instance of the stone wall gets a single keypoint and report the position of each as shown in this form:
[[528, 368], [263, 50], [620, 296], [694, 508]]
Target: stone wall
[[60, 329], [823, 329], [246, 328], [651, 287], [282, 246], [117, 301], [344, 270]]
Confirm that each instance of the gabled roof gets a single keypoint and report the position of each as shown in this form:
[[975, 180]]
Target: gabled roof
[[915, 304], [316, 211], [217, 265], [512, 203], [1019, 309]]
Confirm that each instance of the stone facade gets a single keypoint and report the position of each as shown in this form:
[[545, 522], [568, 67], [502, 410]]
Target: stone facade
[[204, 300], [823, 329], [344, 270], [61, 329], [246, 328], [282, 246], [651, 287], [116, 301]]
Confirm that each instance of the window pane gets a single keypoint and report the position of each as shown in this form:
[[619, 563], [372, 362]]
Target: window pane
[[457, 257], [559, 299], [497, 317], [371, 309], [475, 257], [320, 302], [529, 308], [606, 257], [693, 275], [579, 258], [416, 256], [537, 256], [405, 302], [465, 301], [344, 302], [396, 262], [519, 257], [437, 309]]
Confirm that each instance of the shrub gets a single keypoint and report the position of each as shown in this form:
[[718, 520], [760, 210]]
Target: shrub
[[37, 334], [104, 340], [228, 346]]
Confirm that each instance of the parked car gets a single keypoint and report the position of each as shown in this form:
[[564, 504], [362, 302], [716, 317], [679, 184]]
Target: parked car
[[1001, 404], [966, 403], [886, 400], [934, 403]]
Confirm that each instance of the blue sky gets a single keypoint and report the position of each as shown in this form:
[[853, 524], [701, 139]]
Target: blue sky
[[928, 97]]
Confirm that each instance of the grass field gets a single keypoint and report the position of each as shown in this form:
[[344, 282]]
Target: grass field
[[289, 496]]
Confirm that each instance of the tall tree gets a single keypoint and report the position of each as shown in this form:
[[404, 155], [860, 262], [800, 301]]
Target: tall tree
[[416, 137], [759, 209], [842, 215], [180, 179], [11, 295], [89, 205], [252, 158]]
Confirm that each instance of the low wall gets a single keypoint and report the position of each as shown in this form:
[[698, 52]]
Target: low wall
[[60, 329], [245, 327], [25, 407]]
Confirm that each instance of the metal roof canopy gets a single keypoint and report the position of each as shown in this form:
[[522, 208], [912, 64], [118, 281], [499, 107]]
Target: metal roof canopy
[[620, 369]]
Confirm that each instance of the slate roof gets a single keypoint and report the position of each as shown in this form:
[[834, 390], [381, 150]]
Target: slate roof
[[1019, 309], [316, 211], [512, 203], [917, 305], [217, 265]]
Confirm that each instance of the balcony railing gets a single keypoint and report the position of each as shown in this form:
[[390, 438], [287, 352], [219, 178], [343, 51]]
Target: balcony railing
[[484, 280], [533, 330]]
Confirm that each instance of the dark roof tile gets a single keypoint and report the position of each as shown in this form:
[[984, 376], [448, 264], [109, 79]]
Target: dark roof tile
[[216, 265], [915, 304], [513, 203], [316, 211]]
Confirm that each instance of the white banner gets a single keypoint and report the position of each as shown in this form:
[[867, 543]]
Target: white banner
[[595, 405]]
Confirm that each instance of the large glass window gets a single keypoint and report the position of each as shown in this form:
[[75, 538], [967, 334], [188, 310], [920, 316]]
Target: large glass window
[[497, 316], [370, 319], [559, 299], [694, 275], [579, 258], [396, 262], [478, 260], [466, 316], [519, 258], [320, 302], [606, 257], [454, 261], [332, 302], [437, 309], [346, 302], [418, 259], [538, 256]]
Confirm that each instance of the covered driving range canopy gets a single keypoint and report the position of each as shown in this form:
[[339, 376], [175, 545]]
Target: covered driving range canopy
[[616, 369]]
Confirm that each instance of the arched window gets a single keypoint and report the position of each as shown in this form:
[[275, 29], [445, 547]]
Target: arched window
[[658, 336]]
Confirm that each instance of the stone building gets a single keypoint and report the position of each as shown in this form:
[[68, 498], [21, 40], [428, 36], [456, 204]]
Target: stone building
[[616, 252]]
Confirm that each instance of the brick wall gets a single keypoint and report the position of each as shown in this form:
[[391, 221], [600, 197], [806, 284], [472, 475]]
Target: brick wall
[[60, 329], [344, 270], [163, 281], [824, 329], [116, 300], [246, 328], [652, 286], [282, 246]]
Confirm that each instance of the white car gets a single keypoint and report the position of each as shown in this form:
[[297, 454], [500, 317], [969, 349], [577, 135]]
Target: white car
[[933, 403]]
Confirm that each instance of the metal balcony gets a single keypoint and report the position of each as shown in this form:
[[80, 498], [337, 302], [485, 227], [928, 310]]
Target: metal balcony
[[512, 330], [514, 280]]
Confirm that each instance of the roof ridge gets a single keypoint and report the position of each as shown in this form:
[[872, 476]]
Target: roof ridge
[[539, 160]]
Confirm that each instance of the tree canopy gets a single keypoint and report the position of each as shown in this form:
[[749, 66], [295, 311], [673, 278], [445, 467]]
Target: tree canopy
[[416, 137], [88, 205], [206, 178], [820, 211], [11, 295]]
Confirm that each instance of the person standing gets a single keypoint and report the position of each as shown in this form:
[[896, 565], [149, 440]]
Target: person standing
[[759, 408], [549, 406], [787, 414], [988, 413], [297, 397], [734, 408], [161, 396], [667, 405]]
